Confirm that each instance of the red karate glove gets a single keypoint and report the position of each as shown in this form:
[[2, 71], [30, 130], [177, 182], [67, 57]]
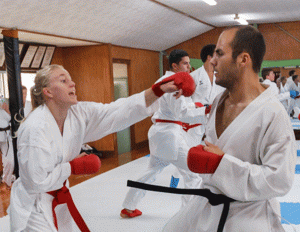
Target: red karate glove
[[208, 107], [182, 80], [201, 161], [87, 164]]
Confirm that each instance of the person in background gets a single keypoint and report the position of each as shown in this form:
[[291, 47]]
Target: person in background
[[290, 78], [206, 88], [26, 103], [289, 96], [6, 141], [168, 138], [269, 76]]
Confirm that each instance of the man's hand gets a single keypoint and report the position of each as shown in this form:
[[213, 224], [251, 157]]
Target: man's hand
[[204, 159], [212, 148]]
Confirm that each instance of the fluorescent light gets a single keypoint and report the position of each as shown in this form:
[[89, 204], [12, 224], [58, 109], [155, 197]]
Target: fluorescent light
[[210, 2], [240, 20]]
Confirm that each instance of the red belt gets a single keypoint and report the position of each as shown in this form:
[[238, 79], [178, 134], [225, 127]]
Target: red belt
[[62, 196], [185, 126]]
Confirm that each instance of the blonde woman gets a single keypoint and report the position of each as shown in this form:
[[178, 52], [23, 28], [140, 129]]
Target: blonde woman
[[49, 141]]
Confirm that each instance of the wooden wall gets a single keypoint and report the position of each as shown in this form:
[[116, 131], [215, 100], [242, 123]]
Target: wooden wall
[[144, 71]]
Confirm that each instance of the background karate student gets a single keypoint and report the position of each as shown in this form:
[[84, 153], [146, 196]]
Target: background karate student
[[250, 152], [6, 141], [206, 88], [167, 138], [50, 139]]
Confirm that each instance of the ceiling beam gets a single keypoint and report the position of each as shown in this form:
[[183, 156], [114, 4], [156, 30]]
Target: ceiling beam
[[52, 35], [180, 12]]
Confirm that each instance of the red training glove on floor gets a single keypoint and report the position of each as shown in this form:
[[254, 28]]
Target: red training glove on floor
[[199, 105], [87, 164], [201, 161], [182, 80]]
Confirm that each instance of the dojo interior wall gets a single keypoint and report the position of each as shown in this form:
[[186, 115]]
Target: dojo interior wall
[[91, 69]]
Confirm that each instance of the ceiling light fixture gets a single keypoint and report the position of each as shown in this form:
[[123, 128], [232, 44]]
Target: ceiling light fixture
[[210, 2], [240, 20]]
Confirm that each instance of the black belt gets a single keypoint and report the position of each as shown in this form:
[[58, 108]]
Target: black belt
[[213, 199], [5, 129]]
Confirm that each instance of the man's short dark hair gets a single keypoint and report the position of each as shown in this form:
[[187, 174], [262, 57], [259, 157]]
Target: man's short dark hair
[[265, 72], [176, 56], [249, 39], [207, 50], [294, 77], [291, 73]]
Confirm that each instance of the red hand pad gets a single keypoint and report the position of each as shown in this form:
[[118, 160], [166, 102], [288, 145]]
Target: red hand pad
[[182, 80], [199, 104], [201, 161], [88, 164]]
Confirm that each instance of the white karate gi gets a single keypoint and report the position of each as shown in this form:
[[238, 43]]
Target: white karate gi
[[282, 96], [6, 148], [6, 145], [205, 93], [169, 143], [44, 156], [258, 166], [282, 90]]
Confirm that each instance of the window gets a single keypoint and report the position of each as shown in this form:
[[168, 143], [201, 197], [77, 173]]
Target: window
[[27, 79]]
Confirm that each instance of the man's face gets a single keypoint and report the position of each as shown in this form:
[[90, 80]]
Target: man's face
[[271, 76], [183, 65], [24, 91], [225, 67]]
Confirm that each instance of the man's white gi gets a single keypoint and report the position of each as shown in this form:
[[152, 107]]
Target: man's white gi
[[258, 166], [205, 93], [282, 90], [44, 156], [169, 143]]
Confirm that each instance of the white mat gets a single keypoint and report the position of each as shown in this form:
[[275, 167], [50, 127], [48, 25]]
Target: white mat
[[100, 199]]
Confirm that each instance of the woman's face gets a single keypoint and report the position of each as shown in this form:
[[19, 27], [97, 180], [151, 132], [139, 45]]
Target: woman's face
[[61, 88]]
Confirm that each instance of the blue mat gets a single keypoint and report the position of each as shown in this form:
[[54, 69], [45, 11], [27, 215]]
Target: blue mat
[[298, 152], [290, 212], [297, 169], [147, 155]]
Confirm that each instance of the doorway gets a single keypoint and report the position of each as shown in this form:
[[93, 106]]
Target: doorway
[[120, 75]]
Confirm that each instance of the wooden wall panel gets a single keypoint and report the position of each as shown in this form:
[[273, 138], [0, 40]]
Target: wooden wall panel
[[193, 46], [281, 46], [58, 56], [144, 71]]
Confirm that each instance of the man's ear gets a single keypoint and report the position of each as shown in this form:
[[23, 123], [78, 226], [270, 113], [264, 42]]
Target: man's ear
[[244, 59], [174, 67]]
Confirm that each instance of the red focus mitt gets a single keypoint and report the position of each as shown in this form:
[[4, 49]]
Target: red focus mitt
[[201, 161], [87, 164], [208, 107], [182, 80]]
